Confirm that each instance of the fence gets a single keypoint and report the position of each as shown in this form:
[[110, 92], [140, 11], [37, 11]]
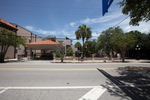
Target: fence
[[85, 58]]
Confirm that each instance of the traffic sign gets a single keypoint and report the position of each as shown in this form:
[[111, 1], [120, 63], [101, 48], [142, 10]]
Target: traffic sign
[[106, 5]]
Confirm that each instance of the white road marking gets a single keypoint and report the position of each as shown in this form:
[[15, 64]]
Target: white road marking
[[94, 94], [4, 89], [73, 87], [94, 88]]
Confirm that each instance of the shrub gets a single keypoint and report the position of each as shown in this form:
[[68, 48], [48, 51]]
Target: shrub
[[57, 54], [34, 55], [69, 51]]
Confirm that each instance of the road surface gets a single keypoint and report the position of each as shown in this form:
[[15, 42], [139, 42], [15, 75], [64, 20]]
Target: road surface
[[74, 81]]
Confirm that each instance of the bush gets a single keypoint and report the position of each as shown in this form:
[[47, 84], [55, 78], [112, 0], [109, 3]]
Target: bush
[[34, 55], [57, 54], [69, 51]]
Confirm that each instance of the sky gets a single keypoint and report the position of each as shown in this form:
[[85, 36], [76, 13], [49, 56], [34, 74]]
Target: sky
[[63, 17]]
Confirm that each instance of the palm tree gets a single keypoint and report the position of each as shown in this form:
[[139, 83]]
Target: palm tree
[[78, 45], [83, 33]]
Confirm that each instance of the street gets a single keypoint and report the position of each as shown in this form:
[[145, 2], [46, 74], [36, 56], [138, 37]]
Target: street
[[74, 81]]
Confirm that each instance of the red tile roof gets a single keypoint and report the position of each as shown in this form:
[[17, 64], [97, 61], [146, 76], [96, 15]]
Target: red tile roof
[[43, 43], [7, 23]]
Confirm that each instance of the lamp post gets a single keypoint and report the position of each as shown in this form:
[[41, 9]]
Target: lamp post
[[137, 48]]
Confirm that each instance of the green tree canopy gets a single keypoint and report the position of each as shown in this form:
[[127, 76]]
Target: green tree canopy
[[90, 47], [57, 54], [9, 39], [123, 41], [78, 45], [139, 10], [83, 33], [142, 39], [105, 39], [98, 45]]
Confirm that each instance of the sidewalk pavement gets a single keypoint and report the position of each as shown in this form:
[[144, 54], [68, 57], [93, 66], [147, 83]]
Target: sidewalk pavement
[[78, 61]]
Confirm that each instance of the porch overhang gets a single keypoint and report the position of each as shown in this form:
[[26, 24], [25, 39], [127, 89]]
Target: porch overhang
[[46, 45]]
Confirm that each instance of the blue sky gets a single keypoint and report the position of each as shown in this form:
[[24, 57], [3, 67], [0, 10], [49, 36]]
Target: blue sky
[[62, 17]]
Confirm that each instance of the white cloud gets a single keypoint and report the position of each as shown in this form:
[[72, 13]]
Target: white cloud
[[143, 27], [72, 24], [59, 33], [44, 32], [127, 29], [68, 33], [31, 28], [101, 19], [95, 34]]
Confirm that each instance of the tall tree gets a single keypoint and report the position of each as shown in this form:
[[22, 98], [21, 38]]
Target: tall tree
[[78, 45], [8, 39], [139, 10], [142, 39], [83, 33], [61, 49], [98, 46], [123, 41], [90, 47], [105, 39]]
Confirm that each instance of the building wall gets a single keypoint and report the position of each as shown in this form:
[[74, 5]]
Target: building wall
[[33, 38], [30, 38], [74, 49], [20, 32], [63, 41], [10, 52], [38, 39], [24, 33], [67, 43]]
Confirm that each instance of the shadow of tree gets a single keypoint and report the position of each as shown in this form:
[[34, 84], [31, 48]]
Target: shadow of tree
[[135, 75], [139, 77]]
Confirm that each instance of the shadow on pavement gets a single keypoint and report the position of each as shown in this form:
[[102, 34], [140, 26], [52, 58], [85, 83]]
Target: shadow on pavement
[[133, 76]]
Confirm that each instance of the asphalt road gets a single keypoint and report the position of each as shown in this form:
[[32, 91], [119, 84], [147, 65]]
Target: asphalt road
[[73, 81]]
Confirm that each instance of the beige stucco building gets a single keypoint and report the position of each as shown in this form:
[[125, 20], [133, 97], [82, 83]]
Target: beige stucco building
[[30, 39], [13, 52]]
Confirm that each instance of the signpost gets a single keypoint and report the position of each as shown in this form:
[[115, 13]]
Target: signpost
[[106, 5]]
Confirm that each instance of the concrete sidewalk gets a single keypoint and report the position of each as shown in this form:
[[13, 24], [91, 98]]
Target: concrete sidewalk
[[78, 61]]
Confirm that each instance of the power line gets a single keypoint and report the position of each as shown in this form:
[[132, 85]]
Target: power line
[[96, 32], [117, 23], [121, 21]]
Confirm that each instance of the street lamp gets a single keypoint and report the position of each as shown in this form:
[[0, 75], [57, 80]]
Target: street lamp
[[137, 48]]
